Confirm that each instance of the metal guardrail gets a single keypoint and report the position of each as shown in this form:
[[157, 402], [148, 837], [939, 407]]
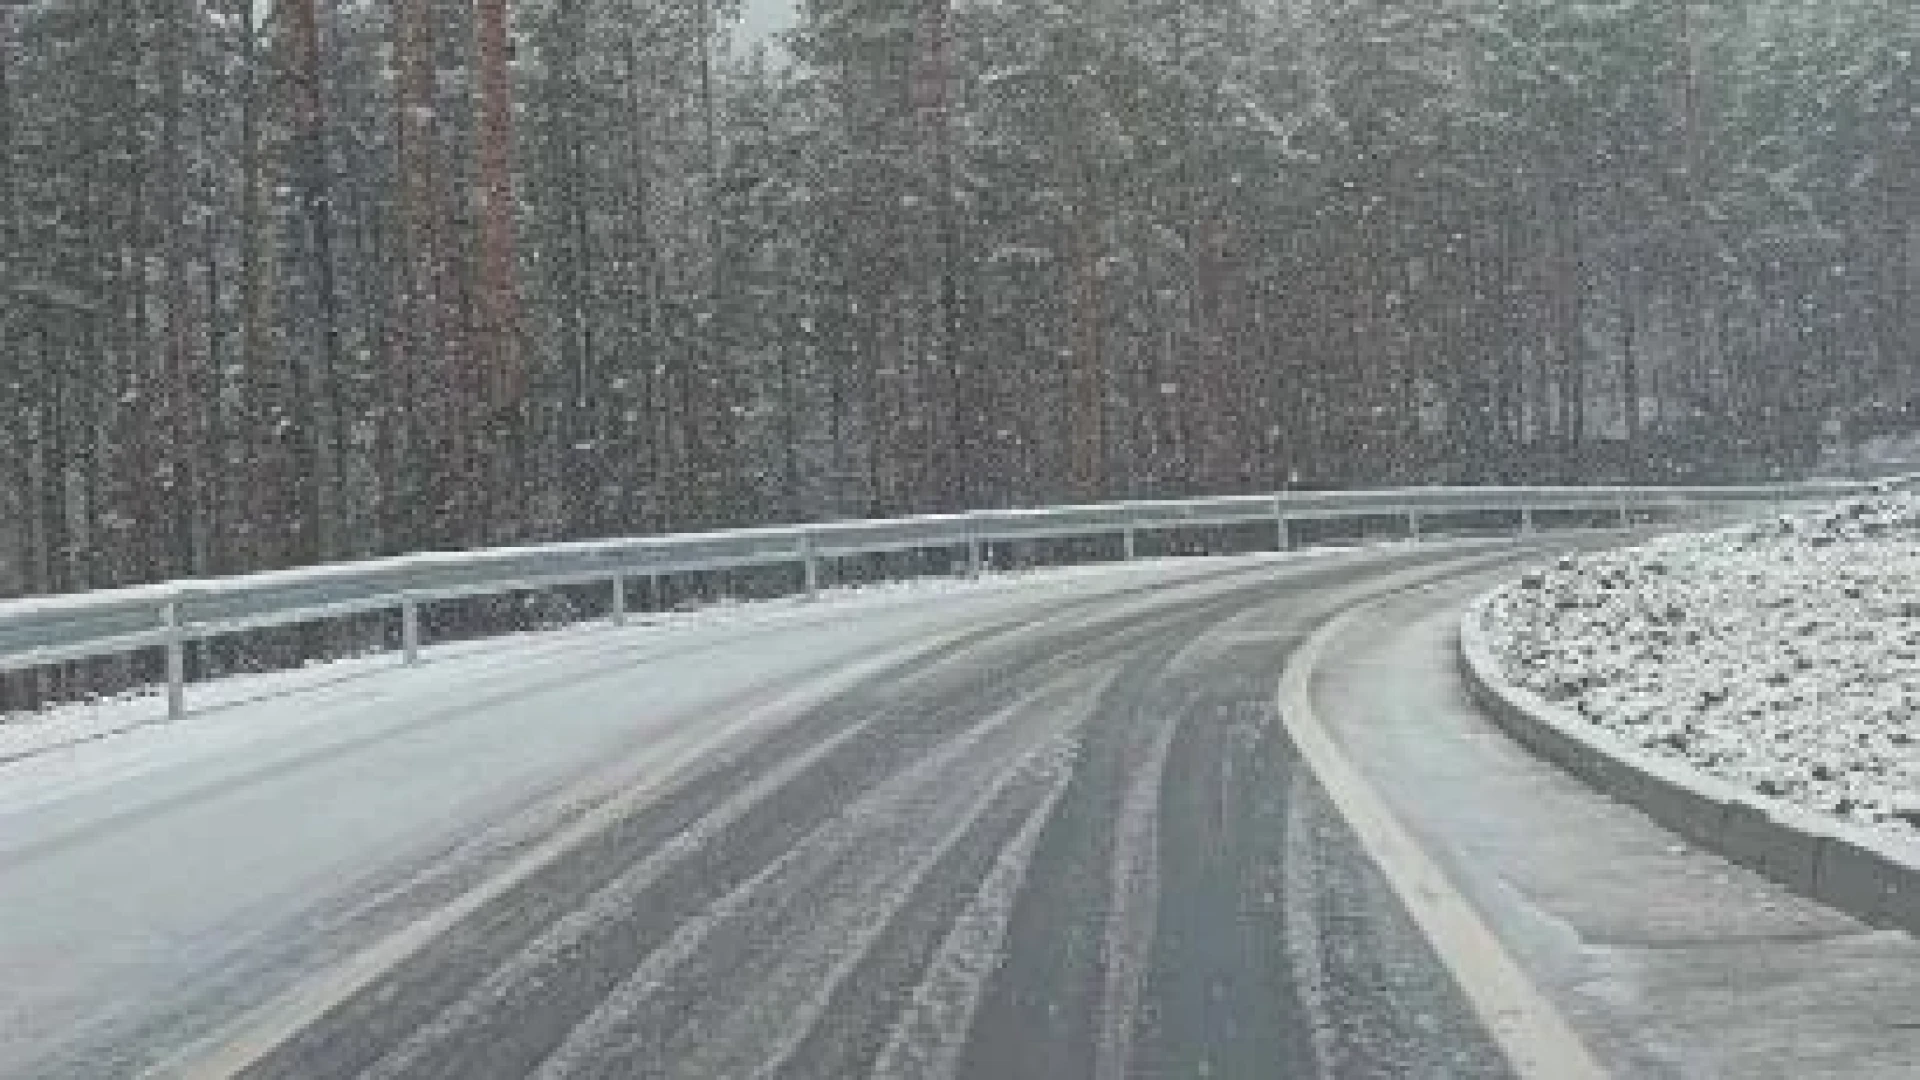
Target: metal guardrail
[[42, 631]]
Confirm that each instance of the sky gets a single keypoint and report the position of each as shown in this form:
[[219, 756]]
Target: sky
[[765, 17]]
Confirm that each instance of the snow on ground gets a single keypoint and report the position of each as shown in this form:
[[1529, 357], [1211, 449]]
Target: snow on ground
[[142, 713], [1784, 656]]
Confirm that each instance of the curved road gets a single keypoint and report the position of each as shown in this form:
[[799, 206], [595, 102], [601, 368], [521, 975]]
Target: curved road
[[1054, 830]]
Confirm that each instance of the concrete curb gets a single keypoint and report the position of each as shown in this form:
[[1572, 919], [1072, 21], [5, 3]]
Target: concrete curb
[[1872, 877]]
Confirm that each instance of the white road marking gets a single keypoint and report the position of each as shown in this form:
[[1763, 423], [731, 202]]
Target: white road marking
[[1536, 1039]]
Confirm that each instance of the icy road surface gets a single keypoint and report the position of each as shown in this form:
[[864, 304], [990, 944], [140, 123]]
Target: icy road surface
[[834, 824]]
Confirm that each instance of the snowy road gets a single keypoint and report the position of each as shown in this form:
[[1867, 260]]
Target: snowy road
[[789, 844]]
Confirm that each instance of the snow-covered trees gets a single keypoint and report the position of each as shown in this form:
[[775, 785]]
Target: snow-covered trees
[[308, 279]]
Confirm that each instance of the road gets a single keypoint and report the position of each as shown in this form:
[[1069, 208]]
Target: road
[[1049, 831]]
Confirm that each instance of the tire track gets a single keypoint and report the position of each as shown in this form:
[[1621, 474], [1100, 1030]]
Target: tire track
[[1151, 938], [1218, 998], [927, 1041], [1389, 1006], [1135, 908], [646, 949], [541, 961], [846, 747], [1305, 947], [747, 974], [1042, 1012]]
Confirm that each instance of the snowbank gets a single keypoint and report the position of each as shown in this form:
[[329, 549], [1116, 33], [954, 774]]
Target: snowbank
[[1784, 656]]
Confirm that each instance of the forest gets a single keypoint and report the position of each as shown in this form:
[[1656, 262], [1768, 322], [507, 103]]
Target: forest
[[291, 281]]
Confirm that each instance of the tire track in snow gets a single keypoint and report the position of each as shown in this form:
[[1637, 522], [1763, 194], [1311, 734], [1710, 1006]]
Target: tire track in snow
[[742, 972], [1217, 997], [1062, 1003], [520, 1014], [1026, 794], [1299, 902], [541, 962], [563, 940], [1087, 898], [1135, 906], [927, 1040]]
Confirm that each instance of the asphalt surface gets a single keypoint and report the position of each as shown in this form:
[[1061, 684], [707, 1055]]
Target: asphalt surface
[[1063, 837], [1054, 849]]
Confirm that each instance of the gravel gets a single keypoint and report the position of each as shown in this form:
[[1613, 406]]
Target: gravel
[[1784, 656]]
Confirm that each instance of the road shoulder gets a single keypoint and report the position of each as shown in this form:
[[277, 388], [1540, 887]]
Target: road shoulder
[[1668, 960]]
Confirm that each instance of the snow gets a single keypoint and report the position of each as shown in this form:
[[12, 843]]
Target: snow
[[315, 790], [1783, 656], [140, 715]]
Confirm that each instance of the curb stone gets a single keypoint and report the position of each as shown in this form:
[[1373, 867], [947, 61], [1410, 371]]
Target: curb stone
[[1872, 877]]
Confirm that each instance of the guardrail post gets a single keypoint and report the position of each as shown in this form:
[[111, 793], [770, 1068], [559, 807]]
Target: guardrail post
[[619, 599], [410, 631], [1130, 543], [976, 555], [176, 649], [1282, 528], [1413, 525], [1526, 521], [810, 562], [1626, 514]]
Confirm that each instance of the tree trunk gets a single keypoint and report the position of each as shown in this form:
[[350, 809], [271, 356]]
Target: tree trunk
[[498, 350], [430, 381], [258, 258], [1630, 367], [325, 426], [499, 347], [211, 402], [642, 301], [933, 84], [176, 376], [137, 475], [13, 455]]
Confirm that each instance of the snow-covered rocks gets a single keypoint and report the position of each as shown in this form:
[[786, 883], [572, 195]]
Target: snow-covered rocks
[[1784, 656]]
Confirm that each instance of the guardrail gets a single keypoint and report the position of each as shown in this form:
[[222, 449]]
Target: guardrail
[[44, 631]]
